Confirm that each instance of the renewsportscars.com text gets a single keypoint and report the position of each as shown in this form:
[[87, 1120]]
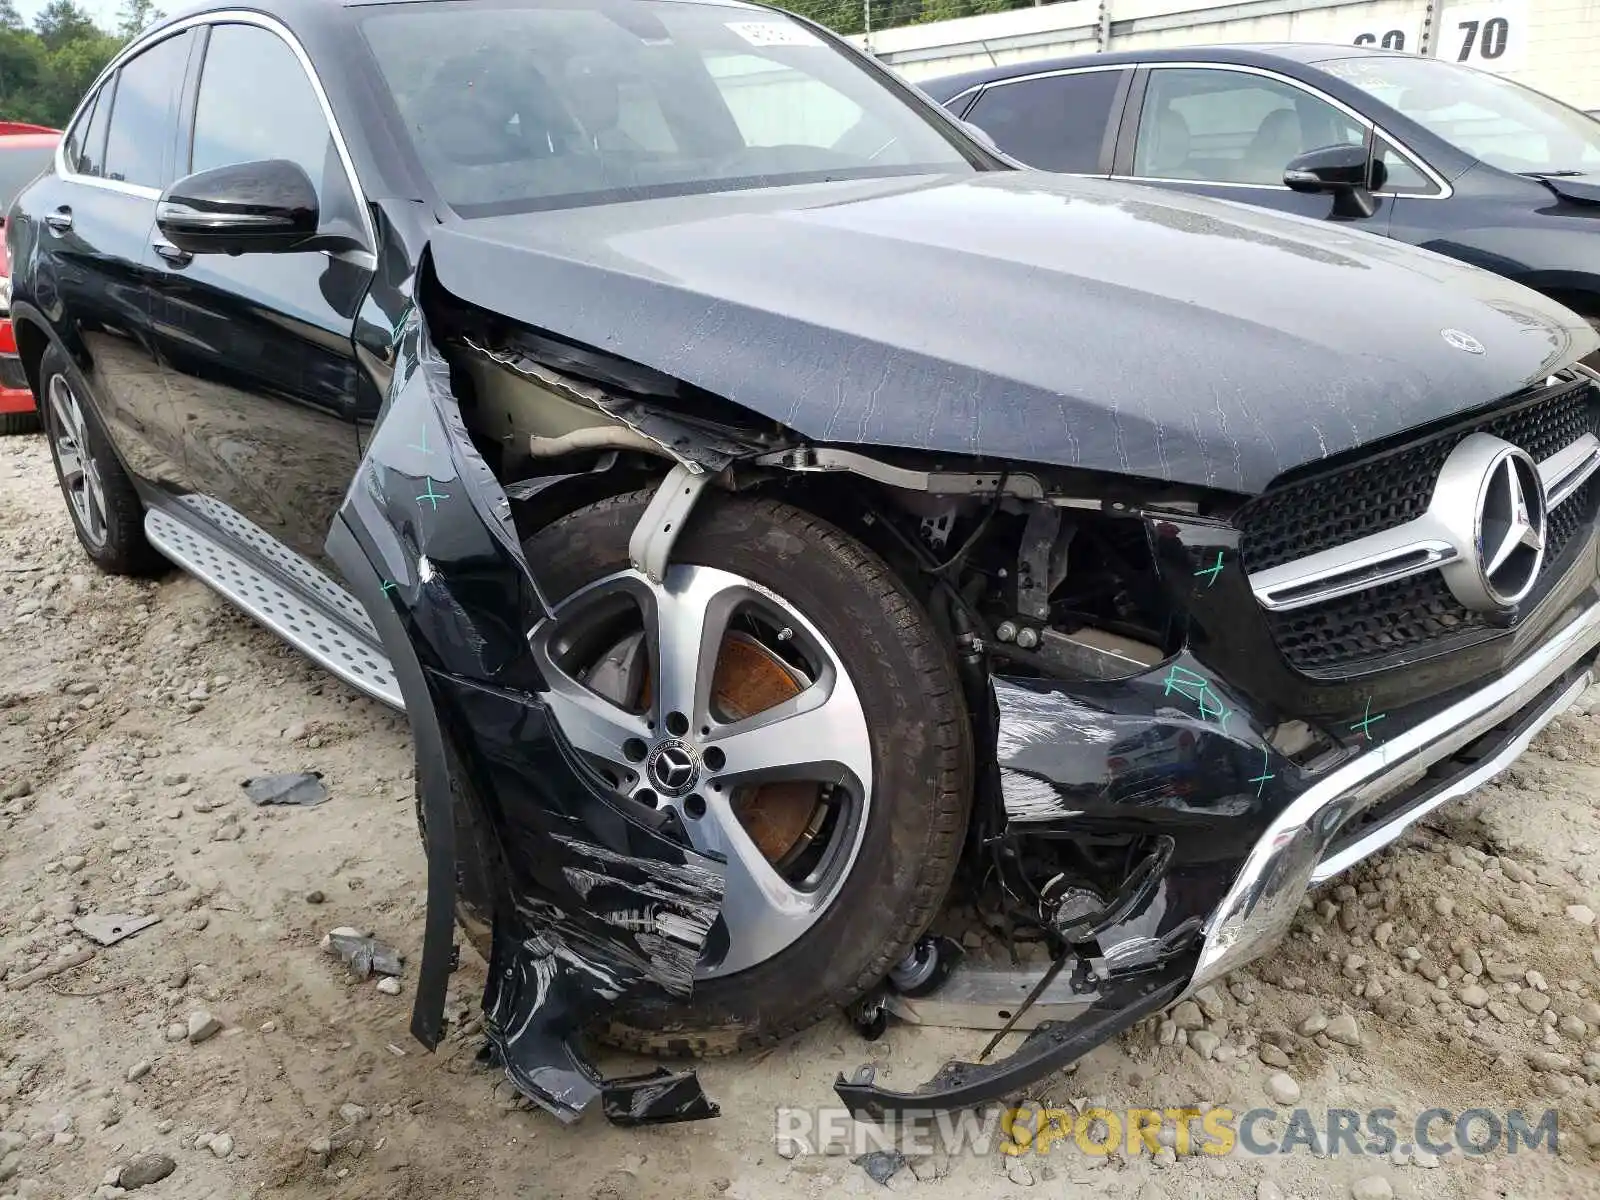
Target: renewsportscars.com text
[[1215, 1131]]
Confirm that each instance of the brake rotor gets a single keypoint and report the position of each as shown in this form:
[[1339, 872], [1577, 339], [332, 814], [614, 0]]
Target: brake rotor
[[781, 818]]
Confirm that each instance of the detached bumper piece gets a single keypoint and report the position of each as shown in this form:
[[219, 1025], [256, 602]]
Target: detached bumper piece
[[658, 1097], [1051, 1046]]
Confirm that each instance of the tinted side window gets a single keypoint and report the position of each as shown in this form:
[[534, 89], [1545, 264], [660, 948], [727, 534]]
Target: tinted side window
[[1231, 127], [84, 146], [1056, 124], [255, 103], [144, 115]]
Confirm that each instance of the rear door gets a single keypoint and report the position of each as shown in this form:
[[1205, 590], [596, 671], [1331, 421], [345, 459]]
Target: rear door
[[1060, 121], [98, 214], [1229, 132], [257, 348]]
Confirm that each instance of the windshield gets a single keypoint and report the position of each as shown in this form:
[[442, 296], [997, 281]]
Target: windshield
[[521, 106], [18, 167], [1503, 123]]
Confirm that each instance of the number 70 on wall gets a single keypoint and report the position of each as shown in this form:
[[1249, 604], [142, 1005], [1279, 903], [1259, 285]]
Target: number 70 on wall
[[1490, 35]]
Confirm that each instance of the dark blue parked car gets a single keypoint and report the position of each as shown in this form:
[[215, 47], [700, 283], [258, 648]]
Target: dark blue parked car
[[1418, 149]]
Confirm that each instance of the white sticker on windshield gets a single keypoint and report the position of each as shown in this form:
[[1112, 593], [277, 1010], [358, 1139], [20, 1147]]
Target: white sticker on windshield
[[774, 33]]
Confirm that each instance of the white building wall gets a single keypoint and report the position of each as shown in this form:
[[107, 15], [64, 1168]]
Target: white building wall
[[1553, 45]]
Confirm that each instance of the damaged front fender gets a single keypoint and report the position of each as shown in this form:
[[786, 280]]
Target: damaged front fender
[[590, 901]]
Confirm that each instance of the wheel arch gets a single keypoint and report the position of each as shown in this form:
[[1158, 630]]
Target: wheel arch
[[32, 342]]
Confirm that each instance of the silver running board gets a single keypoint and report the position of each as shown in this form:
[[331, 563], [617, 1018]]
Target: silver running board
[[333, 632]]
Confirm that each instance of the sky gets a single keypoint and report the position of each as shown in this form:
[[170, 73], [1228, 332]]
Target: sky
[[104, 12]]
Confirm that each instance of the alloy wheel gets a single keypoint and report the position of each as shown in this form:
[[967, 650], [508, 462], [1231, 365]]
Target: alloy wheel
[[80, 475], [713, 696]]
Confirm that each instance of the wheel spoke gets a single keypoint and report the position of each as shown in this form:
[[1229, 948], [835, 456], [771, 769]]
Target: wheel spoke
[[685, 629], [71, 462], [94, 501], [593, 724], [762, 912], [821, 734]]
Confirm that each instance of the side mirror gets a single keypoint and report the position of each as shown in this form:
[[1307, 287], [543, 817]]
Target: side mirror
[[1342, 172], [255, 207]]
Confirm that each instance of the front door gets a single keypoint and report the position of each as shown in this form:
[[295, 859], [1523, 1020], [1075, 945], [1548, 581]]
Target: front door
[[1229, 133], [257, 348]]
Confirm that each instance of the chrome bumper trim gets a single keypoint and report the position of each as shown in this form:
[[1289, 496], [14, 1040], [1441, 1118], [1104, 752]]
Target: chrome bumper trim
[[1293, 853], [1342, 860]]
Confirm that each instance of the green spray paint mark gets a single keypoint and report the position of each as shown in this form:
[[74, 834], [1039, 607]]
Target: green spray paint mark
[[433, 497], [1261, 780], [424, 443], [1197, 688], [1212, 572], [1364, 726]]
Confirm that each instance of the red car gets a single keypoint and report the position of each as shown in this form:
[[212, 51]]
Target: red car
[[24, 151]]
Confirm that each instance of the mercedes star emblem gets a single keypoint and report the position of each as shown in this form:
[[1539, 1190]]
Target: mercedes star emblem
[[1496, 487], [673, 767]]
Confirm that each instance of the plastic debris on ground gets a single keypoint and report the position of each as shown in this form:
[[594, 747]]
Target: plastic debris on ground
[[362, 954], [881, 1165], [304, 788], [107, 929]]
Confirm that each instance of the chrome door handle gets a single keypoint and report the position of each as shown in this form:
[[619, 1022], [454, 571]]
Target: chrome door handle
[[172, 254], [60, 220]]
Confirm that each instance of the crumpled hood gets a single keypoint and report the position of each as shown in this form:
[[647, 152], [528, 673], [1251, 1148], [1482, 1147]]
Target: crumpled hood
[[1026, 317]]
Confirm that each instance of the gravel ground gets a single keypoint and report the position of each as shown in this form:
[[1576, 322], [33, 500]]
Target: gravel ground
[[1461, 970]]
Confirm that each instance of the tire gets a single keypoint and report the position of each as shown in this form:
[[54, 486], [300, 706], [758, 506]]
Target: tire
[[112, 530], [915, 822], [18, 422]]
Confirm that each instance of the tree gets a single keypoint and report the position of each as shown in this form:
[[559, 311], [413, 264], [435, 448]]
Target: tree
[[45, 70], [133, 16], [62, 21]]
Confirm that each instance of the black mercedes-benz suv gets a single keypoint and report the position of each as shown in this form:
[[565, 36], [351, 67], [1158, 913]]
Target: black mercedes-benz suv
[[768, 504]]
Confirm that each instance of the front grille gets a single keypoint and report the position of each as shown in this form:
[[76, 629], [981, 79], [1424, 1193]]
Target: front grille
[[1352, 633]]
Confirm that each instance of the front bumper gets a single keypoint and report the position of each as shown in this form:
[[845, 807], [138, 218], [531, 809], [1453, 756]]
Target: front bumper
[[1310, 841], [1338, 819]]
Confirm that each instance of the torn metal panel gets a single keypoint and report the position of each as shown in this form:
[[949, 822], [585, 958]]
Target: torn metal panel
[[693, 444], [592, 898]]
